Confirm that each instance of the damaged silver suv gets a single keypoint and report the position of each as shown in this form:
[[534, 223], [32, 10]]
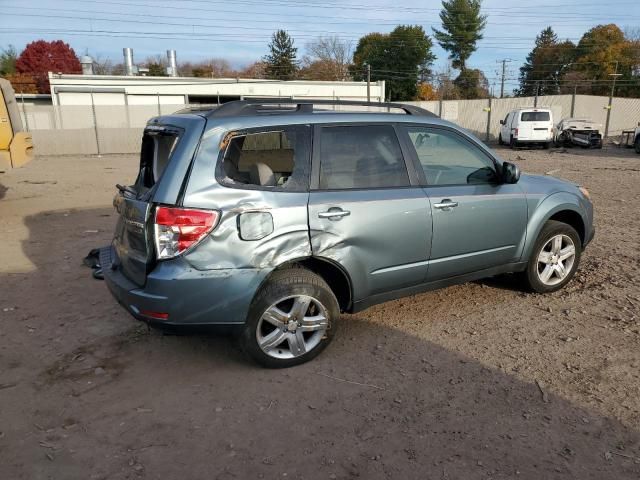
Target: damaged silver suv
[[272, 216]]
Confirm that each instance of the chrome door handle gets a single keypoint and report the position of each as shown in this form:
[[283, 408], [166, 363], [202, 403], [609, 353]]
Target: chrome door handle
[[334, 214], [445, 204]]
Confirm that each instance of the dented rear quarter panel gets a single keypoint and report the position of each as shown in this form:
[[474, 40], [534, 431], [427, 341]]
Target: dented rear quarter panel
[[224, 249]]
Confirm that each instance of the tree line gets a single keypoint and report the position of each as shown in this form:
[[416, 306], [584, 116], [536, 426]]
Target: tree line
[[403, 58]]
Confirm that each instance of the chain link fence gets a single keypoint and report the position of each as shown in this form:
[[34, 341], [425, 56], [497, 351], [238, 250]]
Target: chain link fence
[[107, 129]]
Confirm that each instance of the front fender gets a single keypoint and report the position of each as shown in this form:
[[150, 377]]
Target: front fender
[[547, 208]]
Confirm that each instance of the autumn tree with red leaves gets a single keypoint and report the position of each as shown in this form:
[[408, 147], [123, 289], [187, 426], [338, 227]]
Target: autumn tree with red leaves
[[40, 57]]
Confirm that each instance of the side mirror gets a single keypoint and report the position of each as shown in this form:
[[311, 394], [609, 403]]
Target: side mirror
[[510, 172], [501, 122]]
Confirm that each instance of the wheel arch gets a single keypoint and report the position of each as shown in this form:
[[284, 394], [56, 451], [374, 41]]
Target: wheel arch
[[572, 218], [562, 207], [331, 272]]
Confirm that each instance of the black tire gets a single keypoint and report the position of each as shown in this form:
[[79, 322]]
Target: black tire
[[513, 143], [282, 284], [636, 144], [500, 142], [551, 229], [546, 145]]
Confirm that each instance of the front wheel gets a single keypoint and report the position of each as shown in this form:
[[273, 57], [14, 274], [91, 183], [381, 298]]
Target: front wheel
[[500, 141], [291, 320], [555, 258]]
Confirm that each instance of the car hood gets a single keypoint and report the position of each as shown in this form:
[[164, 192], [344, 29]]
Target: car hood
[[546, 184]]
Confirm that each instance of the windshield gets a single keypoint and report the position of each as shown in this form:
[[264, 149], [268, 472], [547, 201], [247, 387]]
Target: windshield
[[535, 117]]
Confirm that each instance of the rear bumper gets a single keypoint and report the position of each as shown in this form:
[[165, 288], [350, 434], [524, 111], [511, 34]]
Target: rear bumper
[[188, 297]]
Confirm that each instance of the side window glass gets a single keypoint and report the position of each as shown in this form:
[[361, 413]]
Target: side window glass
[[274, 159], [448, 159], [354, 157], [506, 118]]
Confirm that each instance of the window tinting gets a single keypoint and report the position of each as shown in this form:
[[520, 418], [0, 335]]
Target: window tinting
[[361, 157], [535, 117], [448, 159], [272, 159]]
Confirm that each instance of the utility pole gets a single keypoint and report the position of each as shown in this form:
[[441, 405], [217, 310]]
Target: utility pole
[[615, 75], [504, 66], [368, 82]]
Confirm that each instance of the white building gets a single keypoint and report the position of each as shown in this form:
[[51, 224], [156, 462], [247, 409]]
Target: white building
[[159, 91]]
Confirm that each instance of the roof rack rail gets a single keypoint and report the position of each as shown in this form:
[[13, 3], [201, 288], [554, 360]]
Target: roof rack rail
[[273, 105]]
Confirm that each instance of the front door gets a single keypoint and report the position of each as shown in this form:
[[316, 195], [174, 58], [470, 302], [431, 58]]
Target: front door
[[478, 222], [364, 212]]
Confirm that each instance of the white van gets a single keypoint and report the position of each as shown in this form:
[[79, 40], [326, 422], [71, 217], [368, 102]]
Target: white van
[[527, 125]]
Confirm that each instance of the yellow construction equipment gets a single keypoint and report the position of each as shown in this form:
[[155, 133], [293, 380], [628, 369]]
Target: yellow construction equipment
[[16, 146]]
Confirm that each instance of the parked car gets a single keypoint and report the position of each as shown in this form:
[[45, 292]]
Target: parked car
[[577, 131], [527, 126], [271, 217]]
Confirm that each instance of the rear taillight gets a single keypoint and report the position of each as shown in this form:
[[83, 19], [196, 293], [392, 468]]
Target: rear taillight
[[178, 229], [515, 133]]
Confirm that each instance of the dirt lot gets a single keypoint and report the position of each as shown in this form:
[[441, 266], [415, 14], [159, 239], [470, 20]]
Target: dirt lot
[[475, 381]]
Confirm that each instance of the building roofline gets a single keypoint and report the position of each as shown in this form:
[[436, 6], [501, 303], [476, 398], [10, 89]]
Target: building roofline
[[62, 77]]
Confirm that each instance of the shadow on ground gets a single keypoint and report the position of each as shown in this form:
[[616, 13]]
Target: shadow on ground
[[87, 391]]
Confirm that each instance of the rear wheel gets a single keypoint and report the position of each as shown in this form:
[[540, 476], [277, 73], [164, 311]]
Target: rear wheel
[[636, 144], [546, 145], [291, 320], [555, 258], [513, 143]]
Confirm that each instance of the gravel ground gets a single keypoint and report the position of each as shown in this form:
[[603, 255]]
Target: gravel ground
[[476, 381]]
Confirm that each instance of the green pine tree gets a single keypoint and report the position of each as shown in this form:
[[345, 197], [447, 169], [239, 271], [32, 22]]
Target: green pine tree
[[462, 26], [281, 61], [402, 58], [8, 57], [545, 65]]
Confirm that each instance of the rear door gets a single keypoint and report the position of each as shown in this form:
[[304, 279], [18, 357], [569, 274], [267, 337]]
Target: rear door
[[478, 222], [535, 125], [366, 209]]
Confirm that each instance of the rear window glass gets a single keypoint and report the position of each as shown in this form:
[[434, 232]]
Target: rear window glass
[[535, 117], [156, 151], [273, 159]]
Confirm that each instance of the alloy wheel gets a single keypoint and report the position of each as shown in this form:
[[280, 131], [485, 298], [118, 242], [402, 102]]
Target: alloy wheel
[[556, 259], [292, 326]]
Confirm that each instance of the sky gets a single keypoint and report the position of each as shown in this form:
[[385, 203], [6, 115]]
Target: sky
[[239, 30]]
